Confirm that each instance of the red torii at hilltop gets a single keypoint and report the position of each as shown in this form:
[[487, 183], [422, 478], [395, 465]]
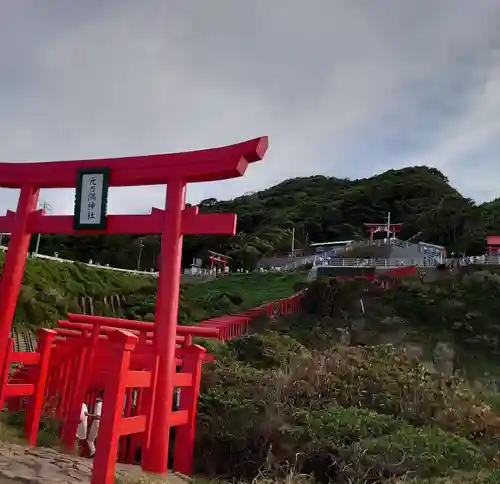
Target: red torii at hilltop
[[174, 170], [391, 229]]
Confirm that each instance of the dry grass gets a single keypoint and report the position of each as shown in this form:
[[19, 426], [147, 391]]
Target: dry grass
[[138, 477], [9, 434]]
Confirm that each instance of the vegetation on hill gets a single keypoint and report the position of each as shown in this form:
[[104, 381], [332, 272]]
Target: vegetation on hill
[[320, 209], [50, 290], [361, 398], [400, 389]]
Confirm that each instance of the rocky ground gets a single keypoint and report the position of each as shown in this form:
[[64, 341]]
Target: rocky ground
[[47, 466]]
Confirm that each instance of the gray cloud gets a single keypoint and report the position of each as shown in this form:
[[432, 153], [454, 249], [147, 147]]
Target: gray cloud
[[345, 88]]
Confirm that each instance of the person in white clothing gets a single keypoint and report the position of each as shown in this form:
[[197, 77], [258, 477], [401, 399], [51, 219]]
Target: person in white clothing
[[94, 428], [81, 431]]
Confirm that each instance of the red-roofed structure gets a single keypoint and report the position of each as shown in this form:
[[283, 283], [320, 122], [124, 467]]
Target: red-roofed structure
[[493, 242]]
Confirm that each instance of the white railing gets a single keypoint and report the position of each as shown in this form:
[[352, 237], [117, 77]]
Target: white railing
[[372, 262], [94, 266], [491, 260], [290, 266], [405, 244], [394, 262]]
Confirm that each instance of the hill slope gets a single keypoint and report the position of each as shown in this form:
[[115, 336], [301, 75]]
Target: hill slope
[[50, 290], [320, 208], [405, 392]]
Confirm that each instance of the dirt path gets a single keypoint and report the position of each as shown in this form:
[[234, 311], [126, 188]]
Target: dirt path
[[47, 466]]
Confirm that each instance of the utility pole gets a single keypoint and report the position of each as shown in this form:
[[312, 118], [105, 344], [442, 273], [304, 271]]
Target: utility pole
[[293, 243], [389, 235], [141, 246], [45, 206]]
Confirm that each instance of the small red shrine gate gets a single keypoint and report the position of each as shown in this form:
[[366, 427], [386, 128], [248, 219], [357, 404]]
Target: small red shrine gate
[[174, 170], [390, 229], [216, 259]]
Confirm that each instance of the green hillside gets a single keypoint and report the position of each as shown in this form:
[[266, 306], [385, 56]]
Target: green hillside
[[319, 208], [400, 390], [404, 393], [50, 290]]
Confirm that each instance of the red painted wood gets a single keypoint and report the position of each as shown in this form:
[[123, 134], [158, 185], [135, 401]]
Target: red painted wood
[[34, 410], [204, 165], [178, 418], [185, 434], [19, 390], [183, 379], [149, 402], [139, 379], [13, 268], [130, 324], [193, 223], [167, 301], [4, 369], [132, 425], [27, 358], [493, 240], [75, 348], [103, 471]]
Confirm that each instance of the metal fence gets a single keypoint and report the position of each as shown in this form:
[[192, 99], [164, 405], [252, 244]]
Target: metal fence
[[360, 262], [393, 262]]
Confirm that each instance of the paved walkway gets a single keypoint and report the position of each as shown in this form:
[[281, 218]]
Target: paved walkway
[[47, 466]]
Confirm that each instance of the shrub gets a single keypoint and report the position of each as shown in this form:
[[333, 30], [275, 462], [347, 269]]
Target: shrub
[[268, 350], [348, 443], [364, 408]]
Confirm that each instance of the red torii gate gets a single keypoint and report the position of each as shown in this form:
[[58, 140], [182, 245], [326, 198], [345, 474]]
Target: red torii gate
[[215, 258], [176, 171], [391, 229]]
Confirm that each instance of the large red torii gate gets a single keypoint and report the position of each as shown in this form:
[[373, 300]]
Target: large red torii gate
[[174, 170]]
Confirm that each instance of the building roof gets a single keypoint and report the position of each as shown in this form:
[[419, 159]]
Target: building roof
[[493, 239], [338, 242], [427, 244], [382, 224]]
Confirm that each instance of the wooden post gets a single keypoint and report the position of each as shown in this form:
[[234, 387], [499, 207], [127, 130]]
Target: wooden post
[[13, 268], [167, 303], [34, 410], [185, 434], [76, 398], [4, 369], [121, 347]]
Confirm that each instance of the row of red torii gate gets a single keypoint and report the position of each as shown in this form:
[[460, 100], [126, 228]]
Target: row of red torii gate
[[144, 361]]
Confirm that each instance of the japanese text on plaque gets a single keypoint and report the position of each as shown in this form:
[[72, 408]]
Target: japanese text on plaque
[[91, 199]]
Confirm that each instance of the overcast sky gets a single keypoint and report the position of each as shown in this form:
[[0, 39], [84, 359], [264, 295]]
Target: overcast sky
[[342, 88]]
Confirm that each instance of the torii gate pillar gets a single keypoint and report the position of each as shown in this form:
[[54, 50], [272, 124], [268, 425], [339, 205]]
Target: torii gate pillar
[[155, 458], [13, 269]]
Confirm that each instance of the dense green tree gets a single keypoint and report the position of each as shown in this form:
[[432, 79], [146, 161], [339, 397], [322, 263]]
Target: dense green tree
[[320, 209]]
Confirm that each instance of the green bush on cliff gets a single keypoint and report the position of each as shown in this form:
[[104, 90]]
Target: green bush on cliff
[[345, 413], [360, 414], [462, 307], [352, 443], [292, 397], [268, 350]]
